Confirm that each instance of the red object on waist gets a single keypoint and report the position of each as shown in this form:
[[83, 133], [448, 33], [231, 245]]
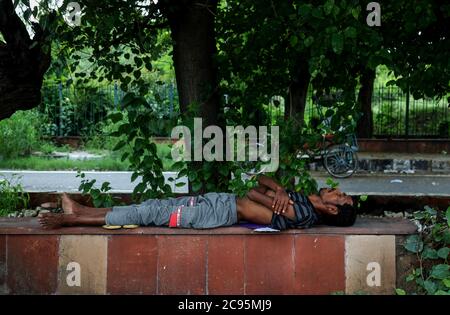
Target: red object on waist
[[175, 218]]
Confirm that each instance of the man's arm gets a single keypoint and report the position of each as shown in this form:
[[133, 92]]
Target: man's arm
[[281, 199], [269, 183], [267, 201]]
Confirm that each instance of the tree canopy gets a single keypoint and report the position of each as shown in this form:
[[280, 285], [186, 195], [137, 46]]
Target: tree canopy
[[248, 50]]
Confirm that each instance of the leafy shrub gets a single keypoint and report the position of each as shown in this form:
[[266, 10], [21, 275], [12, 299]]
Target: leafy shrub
[[100, 138], [12, 196], [432, 247], [135, 132], [100, 196], [19, 134]]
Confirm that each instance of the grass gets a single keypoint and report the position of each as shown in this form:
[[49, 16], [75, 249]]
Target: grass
[[46, 164], [108, 163]]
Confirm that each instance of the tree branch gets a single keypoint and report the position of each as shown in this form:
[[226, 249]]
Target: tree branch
[[13, 30]]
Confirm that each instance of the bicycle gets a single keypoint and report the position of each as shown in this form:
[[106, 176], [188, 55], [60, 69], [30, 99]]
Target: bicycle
[[340, 160]]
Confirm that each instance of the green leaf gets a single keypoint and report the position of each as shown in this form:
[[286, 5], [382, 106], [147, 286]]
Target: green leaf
[[337, 43], [180, 184], [105, 186], [138, 61], [355, 13], [115, 117], [429, 253], [119, 145], [196, 186], [414, 243], [124, 156], [363, 197], [308, 41], [134, 176], [293, 40], [350, 32], [410, 277], [443, 252], [328, 7], [446, 282], [178, 165], [400, 292], [192, 176], [430, 286], [442, 292], [440, 271], [223, 171], [446, 237], [137, 74], [330, 182], [95, 193], [182, 173], [128, 99], [430, 211], [140, 187]]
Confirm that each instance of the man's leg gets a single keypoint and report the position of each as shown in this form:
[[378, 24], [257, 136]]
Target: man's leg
[[56, 220], [70, 206]]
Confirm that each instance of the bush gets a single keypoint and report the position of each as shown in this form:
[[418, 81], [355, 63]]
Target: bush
[[12, 196], [101, 139], [432, 247], [19, 134]]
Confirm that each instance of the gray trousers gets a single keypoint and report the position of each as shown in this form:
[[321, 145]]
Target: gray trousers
[[199, 212]]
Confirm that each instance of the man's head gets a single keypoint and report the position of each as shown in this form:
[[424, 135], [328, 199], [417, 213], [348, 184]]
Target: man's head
[[339, 208]]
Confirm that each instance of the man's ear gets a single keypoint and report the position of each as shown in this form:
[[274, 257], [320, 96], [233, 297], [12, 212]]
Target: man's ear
[[331, 209]]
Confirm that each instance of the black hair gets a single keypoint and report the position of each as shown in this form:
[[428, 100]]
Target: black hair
[[346, 216]]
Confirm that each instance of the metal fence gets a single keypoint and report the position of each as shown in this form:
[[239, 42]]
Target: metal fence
[[398, 114], [395, 114], [75, 111], [72, 111]]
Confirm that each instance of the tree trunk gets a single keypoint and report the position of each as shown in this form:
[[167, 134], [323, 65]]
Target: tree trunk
[[23, 63], [192, 29], [365, 122], [298, 91], [194, 48]]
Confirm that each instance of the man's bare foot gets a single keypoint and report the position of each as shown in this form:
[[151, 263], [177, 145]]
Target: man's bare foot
[[54, 220], [71, 206]]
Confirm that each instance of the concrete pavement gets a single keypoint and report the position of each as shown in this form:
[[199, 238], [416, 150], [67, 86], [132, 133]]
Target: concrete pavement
[[379, 184]]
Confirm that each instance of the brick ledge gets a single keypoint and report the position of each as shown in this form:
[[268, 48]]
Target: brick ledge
[[363, 226]]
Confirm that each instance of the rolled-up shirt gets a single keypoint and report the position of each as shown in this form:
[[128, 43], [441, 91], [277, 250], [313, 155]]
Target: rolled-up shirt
[[305, 215]]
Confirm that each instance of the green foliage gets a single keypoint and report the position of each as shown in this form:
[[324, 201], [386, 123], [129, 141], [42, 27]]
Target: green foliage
[[400, 291], [81, 109], [12, 196], [100, 139], [100, 196], [19, 134], [291, 167], [136, 131], [431, 245], [330, 182]]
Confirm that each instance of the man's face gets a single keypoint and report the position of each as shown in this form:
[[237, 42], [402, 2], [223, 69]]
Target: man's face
[[335, 197]]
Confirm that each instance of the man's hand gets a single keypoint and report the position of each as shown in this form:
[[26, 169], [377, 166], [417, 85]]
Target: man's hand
[[280, 201]]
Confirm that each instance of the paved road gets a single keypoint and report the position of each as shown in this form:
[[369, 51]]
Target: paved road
[[40, 181], [34, 181], [432, 185]]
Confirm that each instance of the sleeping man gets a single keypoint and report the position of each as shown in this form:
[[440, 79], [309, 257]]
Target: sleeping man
[[267, 204]]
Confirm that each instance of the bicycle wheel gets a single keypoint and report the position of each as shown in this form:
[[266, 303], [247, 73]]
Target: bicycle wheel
[[340, 160]]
